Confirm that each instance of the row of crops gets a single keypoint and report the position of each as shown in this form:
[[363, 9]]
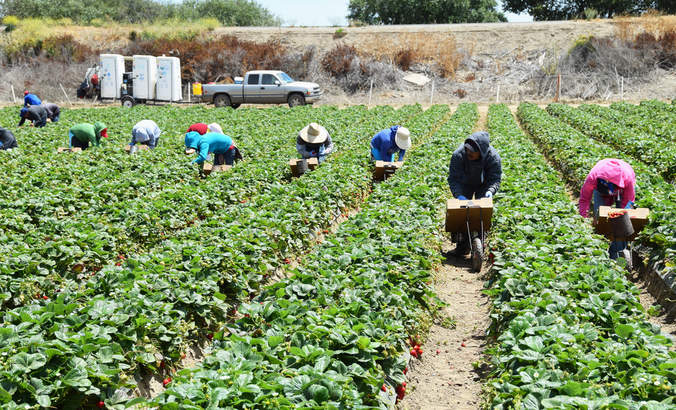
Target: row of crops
[[112, 267]]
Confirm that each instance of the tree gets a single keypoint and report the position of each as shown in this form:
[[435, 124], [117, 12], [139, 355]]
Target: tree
[[424, 12], [571, 9]]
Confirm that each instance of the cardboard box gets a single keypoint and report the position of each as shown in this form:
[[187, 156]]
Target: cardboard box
[[64, 149], [140, 147], [379, 170], [638, 217], [312, 163], [458, 211], [208, 168]]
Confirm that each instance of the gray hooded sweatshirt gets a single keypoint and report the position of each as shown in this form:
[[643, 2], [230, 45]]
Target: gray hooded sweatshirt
[[475, 178]]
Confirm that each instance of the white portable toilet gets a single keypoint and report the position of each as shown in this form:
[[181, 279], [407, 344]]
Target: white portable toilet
[[112, 68], [145, 77], [169, 79]]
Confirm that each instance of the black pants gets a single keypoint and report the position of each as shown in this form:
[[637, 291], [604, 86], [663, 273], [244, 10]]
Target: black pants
[[227, 158], [76, 143]]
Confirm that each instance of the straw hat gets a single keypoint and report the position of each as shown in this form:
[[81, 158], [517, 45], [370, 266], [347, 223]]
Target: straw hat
[[403, 138], [214, 127], [314, 134]]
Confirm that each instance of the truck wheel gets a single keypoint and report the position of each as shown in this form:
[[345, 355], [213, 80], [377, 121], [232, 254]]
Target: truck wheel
[[128, 101], [235, 106], [296, 100], [222, 100]]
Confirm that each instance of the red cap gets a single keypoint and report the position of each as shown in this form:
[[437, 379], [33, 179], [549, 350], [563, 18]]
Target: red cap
[[104, 133], [25, 93]]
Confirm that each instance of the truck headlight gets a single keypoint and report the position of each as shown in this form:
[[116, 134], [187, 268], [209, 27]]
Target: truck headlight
[[308, 92]]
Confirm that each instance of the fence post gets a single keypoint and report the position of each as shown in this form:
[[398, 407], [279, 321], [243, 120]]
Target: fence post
[[432, 93], [621, 88], [370, 92], [497, 95], [64, 93], [558, 88], [13, 95]]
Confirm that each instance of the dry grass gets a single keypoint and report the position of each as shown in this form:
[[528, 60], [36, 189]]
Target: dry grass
[[628, 28], [409, 48]]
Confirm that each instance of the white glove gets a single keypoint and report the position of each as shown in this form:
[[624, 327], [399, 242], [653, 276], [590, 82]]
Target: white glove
[[489, 194]]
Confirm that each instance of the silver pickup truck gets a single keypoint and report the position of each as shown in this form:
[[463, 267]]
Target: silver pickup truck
[[262, 87]]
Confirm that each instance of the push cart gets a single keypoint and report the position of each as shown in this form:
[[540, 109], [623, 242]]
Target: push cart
[[621, 225], [471, 218]]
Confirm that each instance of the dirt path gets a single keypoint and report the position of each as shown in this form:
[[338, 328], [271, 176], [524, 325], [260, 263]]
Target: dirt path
[[448, 379], [482, 123], [667, 324]]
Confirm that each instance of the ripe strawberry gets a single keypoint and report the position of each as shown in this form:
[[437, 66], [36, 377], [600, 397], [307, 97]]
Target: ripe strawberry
[[438, 351], [210, 336], [118, 263], [416, 347], [247, 315], [414, 353], [45, 297], [405, 370], [383, 388], [403, 384], [101, 404], [162, 364], [463, 344], [166, 381], [287, 261], [420, 352]]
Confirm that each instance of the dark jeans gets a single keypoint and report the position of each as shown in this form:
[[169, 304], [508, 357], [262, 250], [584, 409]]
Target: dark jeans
[[616, 247], [76, 143], [227, 158]]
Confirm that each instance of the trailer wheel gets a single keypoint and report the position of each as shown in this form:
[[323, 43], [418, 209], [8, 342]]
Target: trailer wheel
[[222, 100], [296, 100], [128, 101]]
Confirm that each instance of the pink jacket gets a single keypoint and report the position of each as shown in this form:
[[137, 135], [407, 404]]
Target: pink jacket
[[613, 170]]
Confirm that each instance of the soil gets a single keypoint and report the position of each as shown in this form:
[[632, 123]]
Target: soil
[[667, 324], [449, 379]]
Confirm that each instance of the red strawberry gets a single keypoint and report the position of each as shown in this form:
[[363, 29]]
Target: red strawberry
[[45, 297], [118, 263], [405, 370], [210, 336], [162, 364], [403, 384], [166, 381], [420, 352], [101, 404], [383, 388], [416, 347], [463, 344], [287, 261], [414, 353]]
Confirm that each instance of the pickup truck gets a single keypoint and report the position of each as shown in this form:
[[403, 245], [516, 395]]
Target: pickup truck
[[262, 87]]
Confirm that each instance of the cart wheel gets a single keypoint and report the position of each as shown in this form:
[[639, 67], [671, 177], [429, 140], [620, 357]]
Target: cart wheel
[[477, 254]]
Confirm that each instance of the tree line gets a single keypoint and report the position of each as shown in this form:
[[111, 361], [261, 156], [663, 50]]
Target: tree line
[[228, 12]]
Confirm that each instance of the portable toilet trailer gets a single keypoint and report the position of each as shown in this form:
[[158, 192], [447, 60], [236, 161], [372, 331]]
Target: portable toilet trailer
[[145, 77], [169, 79], [112, 68]]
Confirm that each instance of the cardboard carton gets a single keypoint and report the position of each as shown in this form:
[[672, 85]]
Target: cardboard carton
[[638, 217], [379, 170], [459, 211], [312, 163]]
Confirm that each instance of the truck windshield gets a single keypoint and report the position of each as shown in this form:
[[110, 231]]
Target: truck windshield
[[285, 78]]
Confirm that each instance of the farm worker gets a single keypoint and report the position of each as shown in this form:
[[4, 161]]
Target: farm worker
[[82, 134], [53, 111], [475, 171], [36, 114], [610, 182], [30, 99], [145, 132], [7, 140], [314, 141], [200, 127], [220, 145], [386, 143]]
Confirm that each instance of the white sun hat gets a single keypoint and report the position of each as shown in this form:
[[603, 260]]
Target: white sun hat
[[214, 127], [314, 134], [403, 138]]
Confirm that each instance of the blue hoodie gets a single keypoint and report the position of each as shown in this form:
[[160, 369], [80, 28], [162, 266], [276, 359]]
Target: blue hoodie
[[31, 99], [384, 141], [211, 142]]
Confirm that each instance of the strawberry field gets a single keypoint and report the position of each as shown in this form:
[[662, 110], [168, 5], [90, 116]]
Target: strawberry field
[[306, 292]]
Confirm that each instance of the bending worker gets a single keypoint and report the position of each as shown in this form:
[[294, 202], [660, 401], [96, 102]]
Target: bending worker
[[30, 99], [82, 134], [36, 114], [475, 172], [386, 143], [145, 132], [610, 182], [215, 143], [314, 141], [53, 111], [7, 140]]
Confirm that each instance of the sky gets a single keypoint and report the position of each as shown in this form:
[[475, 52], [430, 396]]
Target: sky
[[327, 12]]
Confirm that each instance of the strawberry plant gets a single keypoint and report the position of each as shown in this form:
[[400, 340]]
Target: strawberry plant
[[570, 330]]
